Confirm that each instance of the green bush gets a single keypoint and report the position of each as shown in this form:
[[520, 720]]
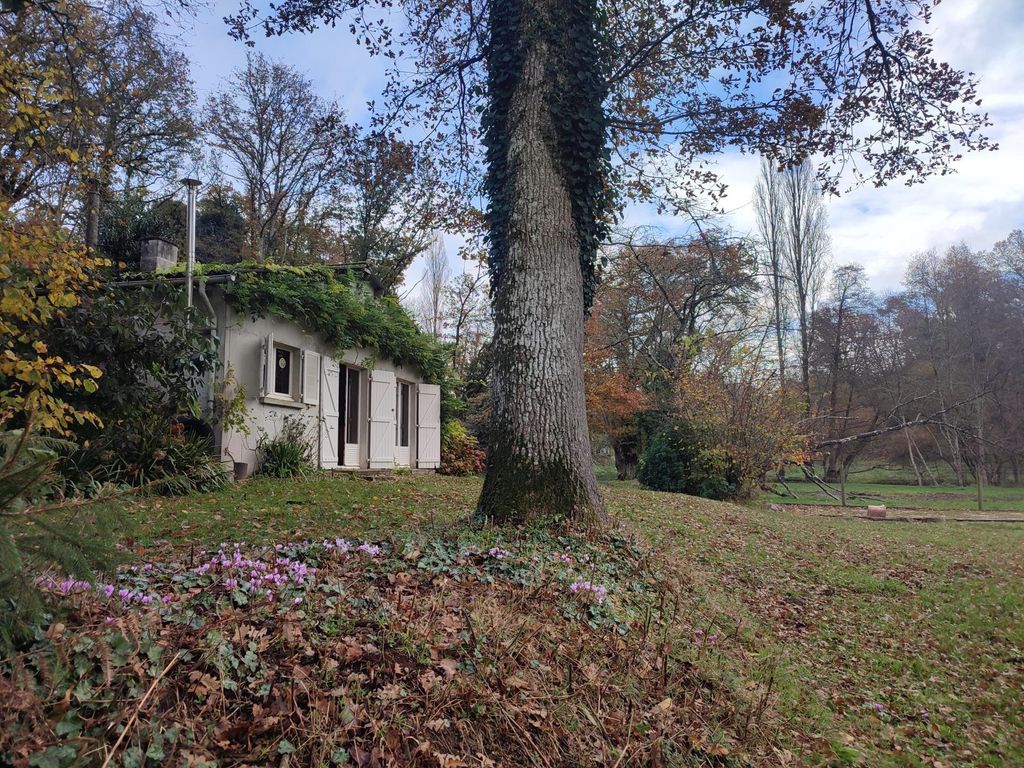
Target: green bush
[[662, 467], [678, 460], [461, 454], [147, 451], [287, 454]]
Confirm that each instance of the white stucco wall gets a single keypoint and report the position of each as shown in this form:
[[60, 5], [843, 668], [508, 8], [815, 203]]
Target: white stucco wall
[[243, 341]]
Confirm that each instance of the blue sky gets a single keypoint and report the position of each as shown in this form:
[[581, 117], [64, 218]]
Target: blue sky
[[879, 228]]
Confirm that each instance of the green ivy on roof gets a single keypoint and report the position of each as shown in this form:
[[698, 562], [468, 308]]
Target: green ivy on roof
[[316, 299]]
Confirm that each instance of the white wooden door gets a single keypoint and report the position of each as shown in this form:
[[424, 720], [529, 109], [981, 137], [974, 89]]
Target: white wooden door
[[428, 426], [330, 401], [382, 420]]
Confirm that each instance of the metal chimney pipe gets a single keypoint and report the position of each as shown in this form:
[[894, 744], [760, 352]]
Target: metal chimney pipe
[[190, 238]]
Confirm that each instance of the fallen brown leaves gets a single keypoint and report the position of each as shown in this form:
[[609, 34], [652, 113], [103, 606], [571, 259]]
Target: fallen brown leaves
[[387, 664]]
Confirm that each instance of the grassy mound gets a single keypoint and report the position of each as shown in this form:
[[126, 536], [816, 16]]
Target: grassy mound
[[454, 649]]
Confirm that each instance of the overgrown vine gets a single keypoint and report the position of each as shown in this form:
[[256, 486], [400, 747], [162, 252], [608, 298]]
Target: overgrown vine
[[315, 299], [580, 143]]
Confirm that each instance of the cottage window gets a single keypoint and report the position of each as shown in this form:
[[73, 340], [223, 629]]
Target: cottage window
[[283, 367], [282, 370]]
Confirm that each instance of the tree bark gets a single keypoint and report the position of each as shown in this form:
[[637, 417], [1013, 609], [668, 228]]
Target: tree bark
[[539, 465], [626, 459]]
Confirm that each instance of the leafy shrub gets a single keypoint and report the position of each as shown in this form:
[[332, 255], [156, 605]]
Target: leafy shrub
[[662, 467], [461, 454], [148, 347], [148, 451], [678, 460], [287, 454]]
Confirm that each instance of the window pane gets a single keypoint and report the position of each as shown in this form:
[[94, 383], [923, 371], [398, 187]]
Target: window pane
[[342, 413], [352, 409], [405, 416], [282, 371]]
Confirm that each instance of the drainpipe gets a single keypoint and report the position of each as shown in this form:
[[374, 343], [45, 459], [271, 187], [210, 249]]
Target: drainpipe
[[190, 238], [207, 305], [217, 335]]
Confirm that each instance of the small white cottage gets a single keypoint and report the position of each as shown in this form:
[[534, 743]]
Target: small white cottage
[[362, 411]]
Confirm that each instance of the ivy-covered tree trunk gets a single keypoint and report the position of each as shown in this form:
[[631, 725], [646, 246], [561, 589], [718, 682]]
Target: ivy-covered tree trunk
[[545, 135]]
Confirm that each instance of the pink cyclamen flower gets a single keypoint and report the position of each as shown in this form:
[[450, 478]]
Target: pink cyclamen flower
[[599, 592]]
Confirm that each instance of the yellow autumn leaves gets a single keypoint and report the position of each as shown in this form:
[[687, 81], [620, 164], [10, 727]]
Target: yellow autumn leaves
[[43, 276]]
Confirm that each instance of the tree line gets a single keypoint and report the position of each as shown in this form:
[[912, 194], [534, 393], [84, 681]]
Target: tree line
[[761, 347]]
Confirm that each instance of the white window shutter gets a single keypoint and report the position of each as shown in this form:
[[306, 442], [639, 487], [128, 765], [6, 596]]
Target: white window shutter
[[428, 428], [310, 377], [267, 370]]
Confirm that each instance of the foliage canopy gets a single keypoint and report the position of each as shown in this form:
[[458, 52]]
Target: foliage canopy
[[316, 299]]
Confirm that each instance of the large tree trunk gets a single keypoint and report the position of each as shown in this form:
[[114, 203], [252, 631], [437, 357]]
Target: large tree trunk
[[539, 465]]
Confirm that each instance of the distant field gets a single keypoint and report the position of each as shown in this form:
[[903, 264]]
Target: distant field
[[869, 472], [945, 497]]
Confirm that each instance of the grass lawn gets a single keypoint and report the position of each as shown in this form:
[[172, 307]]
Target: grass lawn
[[950, 498], [900, 644], [813, 641]]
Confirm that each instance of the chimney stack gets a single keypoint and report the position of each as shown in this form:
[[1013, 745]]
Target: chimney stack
[[158, 255]]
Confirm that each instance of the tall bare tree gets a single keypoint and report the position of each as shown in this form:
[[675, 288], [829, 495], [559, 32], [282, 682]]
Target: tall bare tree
[[466, 308], [388, 205], [770, 208], [839, 353], [283, 144], [805, 254], [429, 301]]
